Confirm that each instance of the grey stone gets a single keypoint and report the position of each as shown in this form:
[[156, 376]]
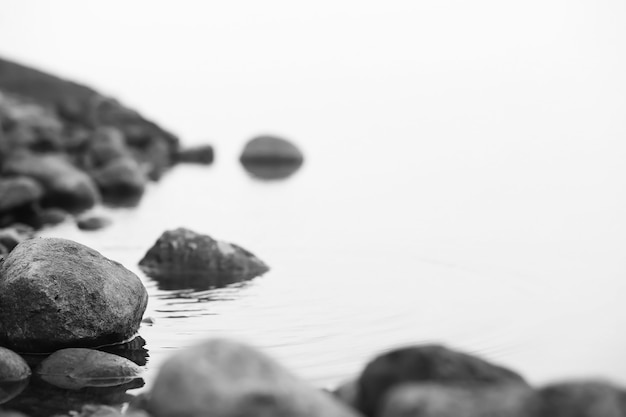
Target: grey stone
[[270, 149], [426, 363], [76, 368], [56, 293], [223, 378], [182, 258], [582, 399], [18, 191]]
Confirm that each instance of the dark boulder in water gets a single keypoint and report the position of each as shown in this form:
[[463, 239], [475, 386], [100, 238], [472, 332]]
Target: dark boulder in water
[[182, 258], [425, 364], [56, 293]]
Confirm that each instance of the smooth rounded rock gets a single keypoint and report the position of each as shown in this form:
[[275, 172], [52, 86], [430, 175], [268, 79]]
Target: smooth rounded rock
[[56, 293], [76, 368], [182, 258], [224, 378], [426, 363], [18, 191], [201, 154], [91, 223], [12, 366], [64, 185], [120, 179], [270, 149]]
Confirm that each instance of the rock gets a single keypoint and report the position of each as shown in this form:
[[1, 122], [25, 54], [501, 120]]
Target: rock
[[18, 191], [76, 368], [271, 172], [56, 293], [51, 216], [12, 236], [12, 366], [182, 258], [14, 374], [270, 149], [347, 393], [582, 399], [430, 400], [106, 145], [202, 154], [120, 180], [65, 185], [223, 378], [92, 222], [427, 363]]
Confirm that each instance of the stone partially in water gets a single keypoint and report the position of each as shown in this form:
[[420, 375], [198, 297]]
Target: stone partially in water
[[182, 258], [427, 364], [77, 368], [201, 154], [92, 222], [56, 293], [223, 378], [270, 149], [14, 374]]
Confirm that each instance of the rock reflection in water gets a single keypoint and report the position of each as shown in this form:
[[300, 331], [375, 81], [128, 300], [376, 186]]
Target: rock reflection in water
[[62, 401], [11, 389], [271, 171]]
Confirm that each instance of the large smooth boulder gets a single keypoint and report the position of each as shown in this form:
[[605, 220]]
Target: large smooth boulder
[[425, 364], [224, 378], [56, 293], [64, 185], [183, 258], [582, 399], [430, 400], [76, 368]]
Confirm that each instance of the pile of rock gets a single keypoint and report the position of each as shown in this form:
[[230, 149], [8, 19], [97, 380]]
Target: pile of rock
[[65, 147]]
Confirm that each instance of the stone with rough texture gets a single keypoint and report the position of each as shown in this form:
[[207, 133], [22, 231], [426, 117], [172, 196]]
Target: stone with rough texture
[[429, 400], [223, 378], [56, 293], [426, 363], [64, 185], [76, 368], [582, 399], [18, 191], [270, 149], [199, 260]]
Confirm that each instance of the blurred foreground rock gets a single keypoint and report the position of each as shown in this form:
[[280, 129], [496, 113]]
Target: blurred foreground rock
[[56, 293], [182, 258], [223, 378], [426, 364]]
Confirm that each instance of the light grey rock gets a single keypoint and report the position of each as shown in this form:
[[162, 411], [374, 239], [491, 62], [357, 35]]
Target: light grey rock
[[223, 378]]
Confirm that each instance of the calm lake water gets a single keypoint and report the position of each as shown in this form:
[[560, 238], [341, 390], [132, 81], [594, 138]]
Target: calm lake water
[[464, 180]]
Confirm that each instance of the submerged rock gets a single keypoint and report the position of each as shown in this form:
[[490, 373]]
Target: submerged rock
[[56, 293], [223, 378], [183, 258], [76, 368], [427, 364], [430, 400]]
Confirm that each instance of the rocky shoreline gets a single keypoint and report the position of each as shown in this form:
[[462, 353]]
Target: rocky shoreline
[[69, 317]]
